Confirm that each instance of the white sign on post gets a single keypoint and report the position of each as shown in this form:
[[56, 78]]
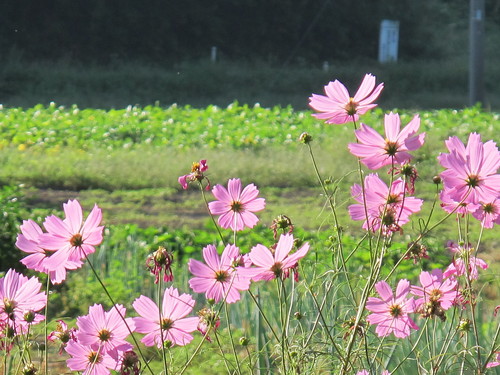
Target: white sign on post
[[388, 42]]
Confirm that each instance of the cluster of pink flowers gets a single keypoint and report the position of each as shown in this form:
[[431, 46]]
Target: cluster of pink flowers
[[20, 304], [223, 278], [391, 312], [471, 180]]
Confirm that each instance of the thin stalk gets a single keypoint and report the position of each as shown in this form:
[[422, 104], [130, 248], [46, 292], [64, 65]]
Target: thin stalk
[[332, 339], [119, 313], [335, 219], [160, 319], [226, 311], [493, 349], [263, 315], [195, 353], [282, 321], [45, 330], [210, 214], [226, 363], [412, 349]]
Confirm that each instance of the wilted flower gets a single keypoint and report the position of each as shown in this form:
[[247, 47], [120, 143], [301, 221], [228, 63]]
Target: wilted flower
[[161, 260], [209, 320], [416, 251], [282, 222], [130, 364], [197, 174], [62, 334]]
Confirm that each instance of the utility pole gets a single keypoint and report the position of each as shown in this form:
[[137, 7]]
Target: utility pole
[[476, 52]]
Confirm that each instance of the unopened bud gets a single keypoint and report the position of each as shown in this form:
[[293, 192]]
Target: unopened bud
[[305, 138]]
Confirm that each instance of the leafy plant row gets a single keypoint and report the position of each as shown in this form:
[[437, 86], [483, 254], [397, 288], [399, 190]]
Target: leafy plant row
[[236, 126]]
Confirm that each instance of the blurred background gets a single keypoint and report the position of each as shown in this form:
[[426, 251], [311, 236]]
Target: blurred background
[[112, 53]]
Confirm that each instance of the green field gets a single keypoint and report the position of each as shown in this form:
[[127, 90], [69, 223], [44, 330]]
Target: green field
[[128, 161]]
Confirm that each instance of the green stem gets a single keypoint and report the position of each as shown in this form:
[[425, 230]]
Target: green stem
[[119, 313], [186, 365], [226, 311], [160, 313], [335, 219], [263, 315], [210, 214], [226, 363], [45, 331]]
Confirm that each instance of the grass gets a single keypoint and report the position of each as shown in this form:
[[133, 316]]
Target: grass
[[412, 84]]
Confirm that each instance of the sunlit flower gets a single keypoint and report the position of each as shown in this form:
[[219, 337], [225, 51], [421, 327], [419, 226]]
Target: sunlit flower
[[278, 263], [464, 263], [471, 171], [387, 208], [219, 278], [390, 313], [236, 207], [18, 295], [89, 360], [488, 213], [376, 151], [72, 238], [172, 323], [105, 330], [29, 242], [338, 107], [438, 294]]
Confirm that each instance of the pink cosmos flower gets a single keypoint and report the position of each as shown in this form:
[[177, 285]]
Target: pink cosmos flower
[[72, 238], [19, 295], [176, 328], [219, 278], [451, 205], [105, 330], [461, 256], [28, 241], [196, 174], [235, 206], [89, 359], [376, 151], [278, 263], [438, 294], [488, 213], [338, 107], [494, 363], [388, 208], [471, 174], [390, 312]]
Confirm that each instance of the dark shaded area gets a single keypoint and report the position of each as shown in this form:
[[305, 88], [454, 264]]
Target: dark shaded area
[[284, 30]]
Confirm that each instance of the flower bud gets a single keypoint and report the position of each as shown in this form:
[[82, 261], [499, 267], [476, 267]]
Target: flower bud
[[305, 138]]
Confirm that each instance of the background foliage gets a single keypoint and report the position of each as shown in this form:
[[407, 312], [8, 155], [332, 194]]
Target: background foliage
[[271, 29]]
